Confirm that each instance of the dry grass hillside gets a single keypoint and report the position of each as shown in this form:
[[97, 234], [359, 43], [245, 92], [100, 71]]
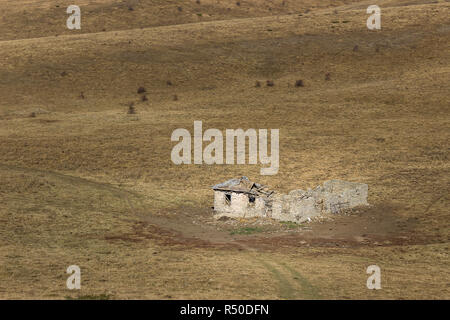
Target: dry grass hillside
[[83, 182], [24, 19]]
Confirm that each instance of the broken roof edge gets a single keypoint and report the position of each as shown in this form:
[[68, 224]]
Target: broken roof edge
[[251, 192], [230, 183], [243, 185]]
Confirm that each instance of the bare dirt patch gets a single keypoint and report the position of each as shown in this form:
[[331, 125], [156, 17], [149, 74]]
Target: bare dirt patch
[[374, 226]]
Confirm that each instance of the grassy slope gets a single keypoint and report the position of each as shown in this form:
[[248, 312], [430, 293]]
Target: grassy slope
[[24, 19]]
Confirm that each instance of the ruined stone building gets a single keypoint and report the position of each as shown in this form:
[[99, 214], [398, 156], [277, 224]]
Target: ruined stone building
[[242, 198]]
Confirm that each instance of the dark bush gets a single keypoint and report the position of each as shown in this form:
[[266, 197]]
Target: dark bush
[[131, 108], [141, 90]]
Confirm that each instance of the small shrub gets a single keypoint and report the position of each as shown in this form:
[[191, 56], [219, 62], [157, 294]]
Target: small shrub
[[257, 84], [290, 224], [299, 83], [270, 83], [131, 108], [144, 98], [33, 115], [141, 90], [355, 48], [102, 296], [175, 97], [327, 76], [169, 83]]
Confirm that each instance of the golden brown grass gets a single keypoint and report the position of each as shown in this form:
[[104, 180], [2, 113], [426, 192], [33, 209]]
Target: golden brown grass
[[77, 180]]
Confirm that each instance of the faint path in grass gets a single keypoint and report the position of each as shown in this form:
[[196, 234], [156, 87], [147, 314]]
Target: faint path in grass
[[308, 291], [291, 284]]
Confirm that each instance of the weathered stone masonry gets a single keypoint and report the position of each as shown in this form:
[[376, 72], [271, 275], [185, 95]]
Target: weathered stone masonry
[[241, 198]]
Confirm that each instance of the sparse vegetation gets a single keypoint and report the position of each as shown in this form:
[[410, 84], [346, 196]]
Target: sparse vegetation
[[131, 108], [290, 224], [246, 230]]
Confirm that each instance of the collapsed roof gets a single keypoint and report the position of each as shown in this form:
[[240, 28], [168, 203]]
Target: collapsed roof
[[243, 185]]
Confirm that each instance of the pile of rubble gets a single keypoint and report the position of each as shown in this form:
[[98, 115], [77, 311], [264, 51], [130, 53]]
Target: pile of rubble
[[241, 198]]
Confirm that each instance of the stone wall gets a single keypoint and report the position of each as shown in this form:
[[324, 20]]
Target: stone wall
[[239, 206], [292, 208], [335, 196]]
